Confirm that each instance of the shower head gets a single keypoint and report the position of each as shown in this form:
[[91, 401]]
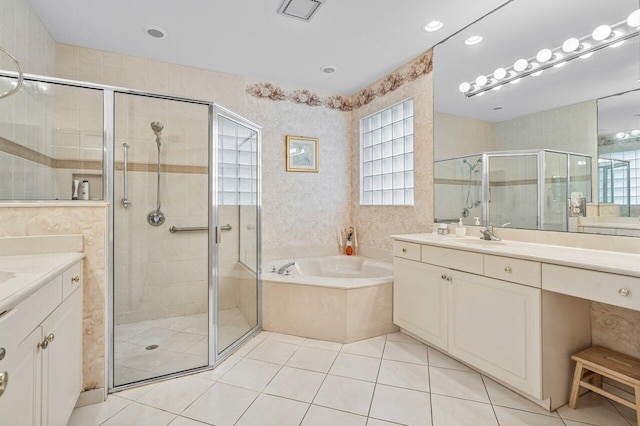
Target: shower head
[[157, 127]]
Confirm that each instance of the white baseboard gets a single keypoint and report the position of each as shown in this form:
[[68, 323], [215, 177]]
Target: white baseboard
[[93, 396]]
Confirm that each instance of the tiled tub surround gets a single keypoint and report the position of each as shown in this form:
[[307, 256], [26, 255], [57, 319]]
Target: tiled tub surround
[[552, 285], [338, 309], [284, 380]]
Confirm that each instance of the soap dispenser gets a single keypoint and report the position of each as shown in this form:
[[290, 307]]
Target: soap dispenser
[[461, 231]]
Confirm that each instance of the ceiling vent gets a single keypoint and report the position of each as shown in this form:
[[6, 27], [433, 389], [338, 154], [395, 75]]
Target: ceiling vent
[[303, 10]]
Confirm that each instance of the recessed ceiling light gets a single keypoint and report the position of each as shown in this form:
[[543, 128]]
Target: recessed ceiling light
[[473, 40], [154, 31], [328, 69], [433, 26]]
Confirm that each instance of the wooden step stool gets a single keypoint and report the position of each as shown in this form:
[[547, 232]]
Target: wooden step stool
[[599, 362]]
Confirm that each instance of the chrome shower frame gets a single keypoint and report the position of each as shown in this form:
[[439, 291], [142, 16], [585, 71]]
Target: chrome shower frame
[[109, 93]]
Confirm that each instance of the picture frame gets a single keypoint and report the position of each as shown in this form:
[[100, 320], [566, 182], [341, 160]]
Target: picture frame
[[302, 154]]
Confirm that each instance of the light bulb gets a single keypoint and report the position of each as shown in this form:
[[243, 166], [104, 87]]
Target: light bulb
[[601, 33], [500, 73], [520, 65], [620, 135], [635, 133], [433, 26], [481, 80], [571, 45], [634, 19], [464, 87], [544, 55], [473, 40]]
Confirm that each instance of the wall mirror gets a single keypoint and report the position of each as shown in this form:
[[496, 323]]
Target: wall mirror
[[537, 118]]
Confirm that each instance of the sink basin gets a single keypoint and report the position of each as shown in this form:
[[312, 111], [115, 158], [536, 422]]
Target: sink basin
[[479, 242], [6, 276]]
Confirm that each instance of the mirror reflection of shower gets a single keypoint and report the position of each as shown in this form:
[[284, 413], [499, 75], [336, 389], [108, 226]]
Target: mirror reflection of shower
[[473, 173], [156, 217]]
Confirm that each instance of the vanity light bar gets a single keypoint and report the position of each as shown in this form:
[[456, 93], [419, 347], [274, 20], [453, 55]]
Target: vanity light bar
[[602, 37]]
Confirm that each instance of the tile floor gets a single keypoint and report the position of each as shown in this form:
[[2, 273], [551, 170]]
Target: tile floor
[[182, 344], [283, 380]]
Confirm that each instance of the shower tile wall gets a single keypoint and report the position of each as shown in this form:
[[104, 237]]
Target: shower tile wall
[[160, 274], [25, 119]]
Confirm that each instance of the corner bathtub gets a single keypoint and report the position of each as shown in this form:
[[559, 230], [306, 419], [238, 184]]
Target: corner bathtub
[[336, 298]]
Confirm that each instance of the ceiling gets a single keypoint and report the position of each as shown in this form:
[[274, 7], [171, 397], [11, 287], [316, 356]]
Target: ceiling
[[364, 39], [519, 30]]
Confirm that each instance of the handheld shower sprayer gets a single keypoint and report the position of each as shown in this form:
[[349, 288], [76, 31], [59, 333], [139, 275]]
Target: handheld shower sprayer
[[156, 217]]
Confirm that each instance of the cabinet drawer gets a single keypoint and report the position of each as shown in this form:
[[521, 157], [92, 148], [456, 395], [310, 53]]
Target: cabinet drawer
[[617, 290], [406, 250], [515, 270], [71, 280], [455, 259]]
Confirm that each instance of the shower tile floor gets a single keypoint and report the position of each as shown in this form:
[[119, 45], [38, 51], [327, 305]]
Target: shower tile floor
[[182, 344], [283, 380]]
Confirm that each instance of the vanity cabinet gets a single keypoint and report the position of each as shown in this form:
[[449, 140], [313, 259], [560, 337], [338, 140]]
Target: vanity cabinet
[[495, 326], [491, 313], [420, 300], [42, 342]]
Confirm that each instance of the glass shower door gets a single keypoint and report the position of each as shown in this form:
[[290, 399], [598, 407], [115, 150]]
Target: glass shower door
[[238, 261], [161, 279], [513, 191]]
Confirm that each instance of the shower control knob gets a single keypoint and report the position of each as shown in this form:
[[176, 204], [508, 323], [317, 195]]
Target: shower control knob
[[624, 292], [76, 279]]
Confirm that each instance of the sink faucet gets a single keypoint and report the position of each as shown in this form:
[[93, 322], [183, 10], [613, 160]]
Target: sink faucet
[[283, 268], [487, 234]]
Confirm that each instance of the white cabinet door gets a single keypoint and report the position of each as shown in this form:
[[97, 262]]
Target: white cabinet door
[[420, 300], [495, 326], [62, 361], [20, 402]]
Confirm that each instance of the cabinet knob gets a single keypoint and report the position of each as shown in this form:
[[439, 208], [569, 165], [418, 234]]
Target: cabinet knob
[[624, 292], [76, 279], [46, 341], [444, 277], [449, 279], [4, 381], [3, 353], [507, 270], [404, 250]]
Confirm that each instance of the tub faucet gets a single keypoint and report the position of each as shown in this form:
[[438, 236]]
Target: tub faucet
[[487, 234], [283, 268]]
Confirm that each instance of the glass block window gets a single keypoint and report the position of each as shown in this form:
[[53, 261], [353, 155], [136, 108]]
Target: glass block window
[[386, 156], [620, 178], [237, 160]]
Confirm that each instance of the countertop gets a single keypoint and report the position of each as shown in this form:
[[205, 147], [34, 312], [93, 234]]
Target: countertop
[[615, 225], [21, 276], [596, 260]]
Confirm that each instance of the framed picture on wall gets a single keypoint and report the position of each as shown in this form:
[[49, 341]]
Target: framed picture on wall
[[302, 154]]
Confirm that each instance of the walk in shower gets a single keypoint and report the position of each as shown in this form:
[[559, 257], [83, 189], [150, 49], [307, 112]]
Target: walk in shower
[[182, 178], [538, 189], [191, 180]]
